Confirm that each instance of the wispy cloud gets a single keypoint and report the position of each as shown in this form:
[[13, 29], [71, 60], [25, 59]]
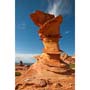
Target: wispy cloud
[[58, 7], [21, 26], [67, 32]]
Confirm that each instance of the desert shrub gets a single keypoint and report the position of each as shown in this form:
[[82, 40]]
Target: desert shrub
[[17, 74], [72, 66]]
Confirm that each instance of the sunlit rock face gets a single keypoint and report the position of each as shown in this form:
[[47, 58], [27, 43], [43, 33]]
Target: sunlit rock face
[[49, 30], [49, 72], [49, 34]]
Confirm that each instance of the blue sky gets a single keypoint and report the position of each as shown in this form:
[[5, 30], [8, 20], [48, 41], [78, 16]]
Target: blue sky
[[27, 40]]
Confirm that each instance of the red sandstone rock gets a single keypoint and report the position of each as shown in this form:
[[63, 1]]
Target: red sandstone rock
[[40, 17], [49, 72], [70, 60]]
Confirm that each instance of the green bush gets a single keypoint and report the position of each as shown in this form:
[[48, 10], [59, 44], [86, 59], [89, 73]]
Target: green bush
[[17, 74], [72, 66]]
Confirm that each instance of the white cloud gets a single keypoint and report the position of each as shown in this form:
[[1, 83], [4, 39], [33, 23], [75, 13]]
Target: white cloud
[[21, 26], [67, 32], [58, 7], [53, 8]]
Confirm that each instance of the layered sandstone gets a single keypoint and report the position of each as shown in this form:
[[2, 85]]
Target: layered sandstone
[[49, 72]]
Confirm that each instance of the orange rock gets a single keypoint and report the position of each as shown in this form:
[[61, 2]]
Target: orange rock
[[49, 72], [40, 17]]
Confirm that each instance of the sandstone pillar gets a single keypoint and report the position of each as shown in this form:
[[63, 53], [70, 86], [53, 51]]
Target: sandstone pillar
[[49, 71]]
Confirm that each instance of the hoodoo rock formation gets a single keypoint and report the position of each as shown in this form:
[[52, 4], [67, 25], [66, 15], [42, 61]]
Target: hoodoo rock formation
[[49, 72]]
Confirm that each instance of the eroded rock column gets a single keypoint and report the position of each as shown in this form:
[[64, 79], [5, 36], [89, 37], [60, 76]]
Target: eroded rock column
[[49, 34], [49, 72]]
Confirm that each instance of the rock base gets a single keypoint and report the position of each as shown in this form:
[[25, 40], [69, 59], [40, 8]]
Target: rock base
[[47, 75]]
